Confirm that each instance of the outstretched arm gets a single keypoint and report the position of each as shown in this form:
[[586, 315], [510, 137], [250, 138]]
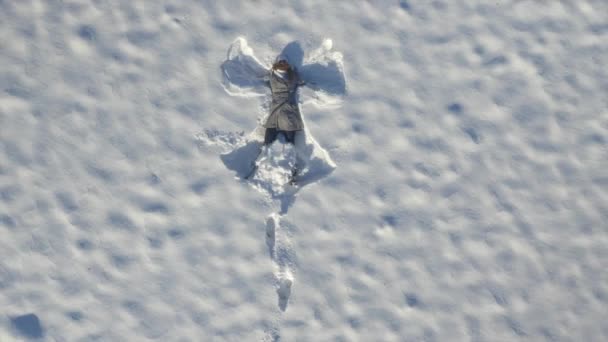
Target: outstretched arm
[[299, 81], [266, 77]]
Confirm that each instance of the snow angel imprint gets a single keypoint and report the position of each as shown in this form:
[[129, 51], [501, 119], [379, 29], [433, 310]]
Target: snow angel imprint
[[280, 153]]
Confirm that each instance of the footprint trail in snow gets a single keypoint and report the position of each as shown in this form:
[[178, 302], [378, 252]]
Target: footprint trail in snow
[[282, 257]]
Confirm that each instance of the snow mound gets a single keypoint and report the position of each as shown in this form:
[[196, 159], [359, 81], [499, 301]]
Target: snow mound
[[274, 169], [239, 153]]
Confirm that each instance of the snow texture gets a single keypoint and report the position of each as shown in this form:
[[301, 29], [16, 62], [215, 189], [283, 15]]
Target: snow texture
[[458, 189]]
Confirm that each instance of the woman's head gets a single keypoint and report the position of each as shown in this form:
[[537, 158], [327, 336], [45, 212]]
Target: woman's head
[[281, 65]]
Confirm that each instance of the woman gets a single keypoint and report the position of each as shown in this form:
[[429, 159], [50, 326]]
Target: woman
[[284, 115]]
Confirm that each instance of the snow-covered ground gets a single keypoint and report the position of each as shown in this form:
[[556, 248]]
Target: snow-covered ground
[[465, 196]]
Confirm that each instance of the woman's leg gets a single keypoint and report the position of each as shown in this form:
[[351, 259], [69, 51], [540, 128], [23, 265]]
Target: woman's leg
[[270, 135], [290, 136]]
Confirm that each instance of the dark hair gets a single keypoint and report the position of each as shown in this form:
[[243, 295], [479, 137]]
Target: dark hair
[[280, 65]]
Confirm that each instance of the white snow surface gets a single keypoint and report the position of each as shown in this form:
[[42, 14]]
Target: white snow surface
[[465, 196]]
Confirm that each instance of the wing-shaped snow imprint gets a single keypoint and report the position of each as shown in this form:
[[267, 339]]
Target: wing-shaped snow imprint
[[243, 75], [242, 72], [324, 73], [269, 168]]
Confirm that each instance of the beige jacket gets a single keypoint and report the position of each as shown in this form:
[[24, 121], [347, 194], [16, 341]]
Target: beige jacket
[[284, 110]]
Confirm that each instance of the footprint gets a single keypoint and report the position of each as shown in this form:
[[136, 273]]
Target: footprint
[[284, 289], [271, 223], [281, 257], [28, 326]]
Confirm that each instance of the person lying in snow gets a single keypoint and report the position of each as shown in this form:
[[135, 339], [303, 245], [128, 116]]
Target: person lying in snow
[[244, 75], [285, 117]]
